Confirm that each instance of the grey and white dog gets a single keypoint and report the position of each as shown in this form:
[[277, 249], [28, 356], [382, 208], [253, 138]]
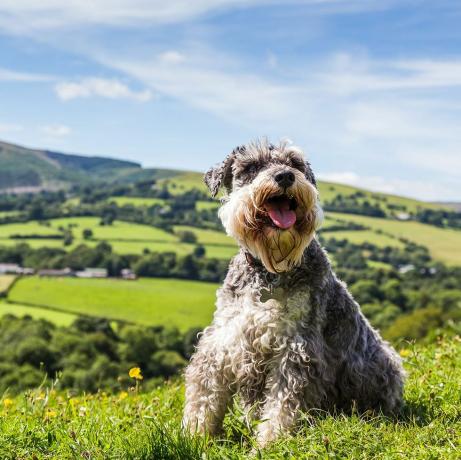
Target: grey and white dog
[[287, 335]]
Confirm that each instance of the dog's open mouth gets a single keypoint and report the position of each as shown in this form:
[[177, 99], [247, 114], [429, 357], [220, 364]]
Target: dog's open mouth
[[281, 211]]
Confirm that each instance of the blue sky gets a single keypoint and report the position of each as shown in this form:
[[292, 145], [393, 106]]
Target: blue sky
[[371, 90]]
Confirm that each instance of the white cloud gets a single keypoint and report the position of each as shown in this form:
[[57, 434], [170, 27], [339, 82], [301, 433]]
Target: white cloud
[[7, 128], [55, 130], [347, 75], [26, 16], [172, 57], [204, 82], [12, 75], [108, 88]]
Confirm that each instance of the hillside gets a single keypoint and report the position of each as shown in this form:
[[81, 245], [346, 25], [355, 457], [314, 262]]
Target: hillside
[[127, 424], [25, 169]]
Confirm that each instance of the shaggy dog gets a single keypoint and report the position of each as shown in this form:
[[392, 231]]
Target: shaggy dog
[[287, 335]]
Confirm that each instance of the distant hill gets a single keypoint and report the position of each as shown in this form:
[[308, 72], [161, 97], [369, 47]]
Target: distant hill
[[25, 169]]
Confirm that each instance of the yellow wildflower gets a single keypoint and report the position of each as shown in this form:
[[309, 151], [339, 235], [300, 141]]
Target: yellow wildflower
[[7, 402], [50, 413], [135, 373], [405, 352], [123, 395]]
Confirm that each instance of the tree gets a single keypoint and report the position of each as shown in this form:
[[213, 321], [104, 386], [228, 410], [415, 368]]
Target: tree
[[87, 234], [186, 236]]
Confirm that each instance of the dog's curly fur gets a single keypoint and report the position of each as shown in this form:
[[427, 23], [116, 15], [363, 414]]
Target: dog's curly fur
[[310, 348]]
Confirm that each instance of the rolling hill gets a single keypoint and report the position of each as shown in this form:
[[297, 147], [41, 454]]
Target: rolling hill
[[25, 169]]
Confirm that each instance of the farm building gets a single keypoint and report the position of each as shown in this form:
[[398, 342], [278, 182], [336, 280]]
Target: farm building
[[92, 273]]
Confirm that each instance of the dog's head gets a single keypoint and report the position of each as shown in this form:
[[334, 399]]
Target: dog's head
[[271, 206]]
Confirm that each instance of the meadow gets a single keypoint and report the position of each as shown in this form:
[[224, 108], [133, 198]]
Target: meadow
[[171, 302], [124, 237], [45, 424], [5, 283], [443, 244], [57, 317]]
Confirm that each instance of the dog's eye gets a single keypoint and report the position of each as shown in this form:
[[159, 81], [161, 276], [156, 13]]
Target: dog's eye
[[251, 169], [298, 164]]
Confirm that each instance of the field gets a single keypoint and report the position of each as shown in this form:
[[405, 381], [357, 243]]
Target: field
[[443, 244], [56, 317], [329, 190], [124, 237], [146, 301], [5, 282], [47, 424], [136, 201]]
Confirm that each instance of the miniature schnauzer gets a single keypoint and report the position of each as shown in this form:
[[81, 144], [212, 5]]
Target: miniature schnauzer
[[287, 336]]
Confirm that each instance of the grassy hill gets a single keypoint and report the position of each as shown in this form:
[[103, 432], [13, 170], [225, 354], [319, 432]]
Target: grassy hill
[[23, 168], [45, 424], [146, 301]]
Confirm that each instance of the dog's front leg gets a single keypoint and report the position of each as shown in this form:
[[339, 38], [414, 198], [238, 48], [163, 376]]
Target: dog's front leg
[[207, 390], [284, 395]]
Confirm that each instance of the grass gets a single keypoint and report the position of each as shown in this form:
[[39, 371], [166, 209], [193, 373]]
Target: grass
[[443, 244], [329, 190], [136, 201], [44, 424], [5, 282], [183, 182], [363, 236], [207, 205], [205, 236], [8, 214], [146, 301], [124, 237], [56, 317]]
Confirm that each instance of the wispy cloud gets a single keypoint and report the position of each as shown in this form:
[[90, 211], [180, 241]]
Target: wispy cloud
[[26, 16], [101, 87], [8, 128], [346, 74], [14, 76], [205, 82], [55, 130]]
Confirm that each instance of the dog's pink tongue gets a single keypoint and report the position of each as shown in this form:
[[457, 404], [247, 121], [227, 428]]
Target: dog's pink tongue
[[280, 213]]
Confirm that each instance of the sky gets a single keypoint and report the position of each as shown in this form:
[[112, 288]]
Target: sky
[[369, 89]]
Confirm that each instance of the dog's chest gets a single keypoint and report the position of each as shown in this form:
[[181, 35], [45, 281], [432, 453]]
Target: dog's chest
[[266, 326]]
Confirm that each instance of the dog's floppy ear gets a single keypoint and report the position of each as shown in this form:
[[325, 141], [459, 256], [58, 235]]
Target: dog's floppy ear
[[221, 174], [310, 174]]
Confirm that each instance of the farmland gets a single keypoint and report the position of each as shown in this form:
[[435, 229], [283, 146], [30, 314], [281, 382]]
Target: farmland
[[146, 301], [57, 317], [5, 282], [124, 237], [443, 244]]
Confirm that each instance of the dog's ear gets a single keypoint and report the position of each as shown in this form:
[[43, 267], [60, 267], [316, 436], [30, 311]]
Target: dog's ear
[[221, 174], [310, 174]]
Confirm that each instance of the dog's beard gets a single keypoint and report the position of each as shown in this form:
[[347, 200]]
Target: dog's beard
[[245, 218]]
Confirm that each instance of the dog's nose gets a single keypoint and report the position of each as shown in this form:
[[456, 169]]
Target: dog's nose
[[284, 179]]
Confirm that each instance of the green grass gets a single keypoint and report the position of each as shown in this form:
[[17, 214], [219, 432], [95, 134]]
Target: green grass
[[329, 190], [443, 244], [8, 213], [124, 237], [205, 236], [183, 182], [136, 201], [45, 424], [363, 236], [56, 317], [207, 205], [5, 282], [146, 301]]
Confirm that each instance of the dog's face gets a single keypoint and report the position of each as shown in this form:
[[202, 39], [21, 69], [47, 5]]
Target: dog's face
[[271, 207]]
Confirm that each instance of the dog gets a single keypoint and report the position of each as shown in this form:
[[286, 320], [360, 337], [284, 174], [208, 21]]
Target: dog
[[287, 336]]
